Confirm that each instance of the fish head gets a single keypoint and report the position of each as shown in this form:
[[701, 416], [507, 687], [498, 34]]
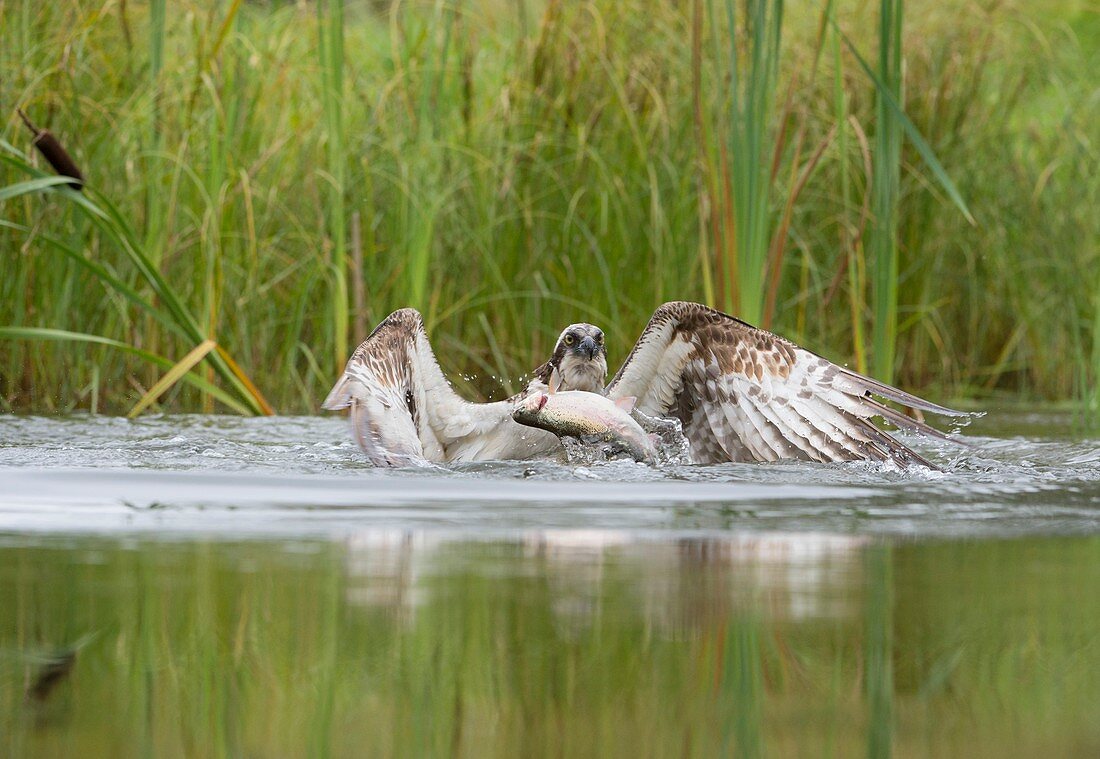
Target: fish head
[[527, 409]]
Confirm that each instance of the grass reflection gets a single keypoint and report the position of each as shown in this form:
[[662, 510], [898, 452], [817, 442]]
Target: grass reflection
[[878, 653], [572, 644]]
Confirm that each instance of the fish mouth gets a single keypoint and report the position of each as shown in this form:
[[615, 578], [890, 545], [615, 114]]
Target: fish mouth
[[530, 406]]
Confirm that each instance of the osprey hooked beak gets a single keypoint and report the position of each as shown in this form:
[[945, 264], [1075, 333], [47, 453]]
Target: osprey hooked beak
[[588, 347]]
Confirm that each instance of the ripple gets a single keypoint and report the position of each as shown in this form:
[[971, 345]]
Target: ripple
[[305, 474]]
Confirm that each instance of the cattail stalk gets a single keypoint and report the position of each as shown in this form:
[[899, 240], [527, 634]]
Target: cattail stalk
[[54, 153]]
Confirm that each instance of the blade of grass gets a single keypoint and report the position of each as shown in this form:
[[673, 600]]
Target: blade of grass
[[172, 376], [253, 391], [923, 148], [42, 333], [779, 240], [110, 280], [31, 185]]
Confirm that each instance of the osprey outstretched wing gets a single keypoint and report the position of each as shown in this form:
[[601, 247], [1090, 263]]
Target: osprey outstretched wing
[[405, 412], [744, 394], [740, 393]]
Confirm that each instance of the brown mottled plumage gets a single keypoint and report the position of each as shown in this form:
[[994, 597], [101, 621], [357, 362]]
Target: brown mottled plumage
[[744, 394], [740, 393]]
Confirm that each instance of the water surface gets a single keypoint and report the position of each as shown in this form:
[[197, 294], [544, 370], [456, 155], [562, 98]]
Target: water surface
[[212, 586], [297, 476]]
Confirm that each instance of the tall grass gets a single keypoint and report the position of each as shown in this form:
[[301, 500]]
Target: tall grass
[[738, 164], [513, 172], [169, 310]]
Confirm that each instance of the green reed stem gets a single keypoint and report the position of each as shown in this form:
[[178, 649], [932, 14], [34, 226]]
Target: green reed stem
[[330, 15], [851, 246], [885, 190], [154, 200], [752, 82]]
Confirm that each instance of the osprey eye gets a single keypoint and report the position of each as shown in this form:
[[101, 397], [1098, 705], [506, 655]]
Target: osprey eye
[[599, 338], [569, 339]]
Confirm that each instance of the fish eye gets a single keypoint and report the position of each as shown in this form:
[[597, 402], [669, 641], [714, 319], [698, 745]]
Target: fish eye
[[569, 339]]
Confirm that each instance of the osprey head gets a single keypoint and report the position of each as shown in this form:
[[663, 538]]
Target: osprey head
[[580, 359]]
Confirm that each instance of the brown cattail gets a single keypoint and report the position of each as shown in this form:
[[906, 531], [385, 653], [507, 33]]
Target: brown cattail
[[52, 151]]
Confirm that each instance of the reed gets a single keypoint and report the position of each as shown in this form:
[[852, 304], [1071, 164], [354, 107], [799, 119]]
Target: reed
[[569, 161], [331, 61], [736, 133], [885, 189], [154, 199]]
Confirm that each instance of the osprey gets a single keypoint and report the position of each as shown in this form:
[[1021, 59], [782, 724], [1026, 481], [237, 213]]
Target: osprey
[[740, 394]]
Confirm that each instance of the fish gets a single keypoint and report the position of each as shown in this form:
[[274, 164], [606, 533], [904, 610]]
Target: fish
[[591, 417]]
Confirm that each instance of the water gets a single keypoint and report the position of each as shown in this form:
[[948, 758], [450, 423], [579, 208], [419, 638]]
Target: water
[[212, 586]]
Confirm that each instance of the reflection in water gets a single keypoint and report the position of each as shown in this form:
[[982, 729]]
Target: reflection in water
[[577, 643], [679, 584], [385, 568]]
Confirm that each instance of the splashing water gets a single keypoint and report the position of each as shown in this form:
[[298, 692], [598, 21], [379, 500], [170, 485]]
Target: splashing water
[[292, 474]]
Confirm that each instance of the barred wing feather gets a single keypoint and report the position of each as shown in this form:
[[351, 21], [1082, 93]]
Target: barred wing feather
[[404, 411], [744, 394]]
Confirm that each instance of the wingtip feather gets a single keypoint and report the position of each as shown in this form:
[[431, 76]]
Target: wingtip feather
[[869, 385], [339, 397]]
